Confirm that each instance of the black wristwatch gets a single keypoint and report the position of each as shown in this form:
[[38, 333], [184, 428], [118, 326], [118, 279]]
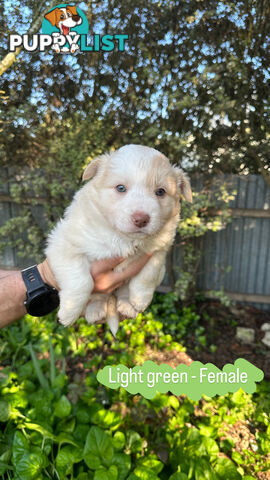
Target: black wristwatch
[[41, 299]]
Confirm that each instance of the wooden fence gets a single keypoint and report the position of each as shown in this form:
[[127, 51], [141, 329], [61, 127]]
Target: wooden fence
[[244, 245]]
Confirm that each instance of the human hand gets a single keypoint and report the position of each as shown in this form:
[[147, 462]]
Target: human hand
[[105, 278]]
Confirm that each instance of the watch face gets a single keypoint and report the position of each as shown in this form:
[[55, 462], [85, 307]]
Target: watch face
[[43, 303]]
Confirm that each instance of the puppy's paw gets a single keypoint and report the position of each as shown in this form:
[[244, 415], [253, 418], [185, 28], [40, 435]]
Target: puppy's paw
[[71, 305], [126, 309], [74, 48], [66, 316], [140, 303], [56, 48], [95, 312]]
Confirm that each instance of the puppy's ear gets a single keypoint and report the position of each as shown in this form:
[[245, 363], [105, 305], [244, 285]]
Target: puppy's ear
[[72, 9], [51, 16], [91, 169], [183, 183]]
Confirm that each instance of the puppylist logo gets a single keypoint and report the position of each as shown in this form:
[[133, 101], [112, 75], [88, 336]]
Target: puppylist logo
[[65, 29]]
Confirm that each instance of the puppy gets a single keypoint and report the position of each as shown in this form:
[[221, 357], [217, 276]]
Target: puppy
[[129, 206], [64, 19]]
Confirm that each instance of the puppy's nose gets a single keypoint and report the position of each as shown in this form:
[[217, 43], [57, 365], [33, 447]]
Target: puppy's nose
[[140, 219], [76, 18]]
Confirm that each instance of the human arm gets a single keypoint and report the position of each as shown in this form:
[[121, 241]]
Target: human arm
[[13, 290]]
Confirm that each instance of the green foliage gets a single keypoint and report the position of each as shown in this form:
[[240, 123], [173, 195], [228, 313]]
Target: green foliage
[[193, 83], [180, 323], [193, 80], [49, 184], [209, 212], [72, 428]]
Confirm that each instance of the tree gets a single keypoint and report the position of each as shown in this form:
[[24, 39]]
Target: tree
[[192, 82]]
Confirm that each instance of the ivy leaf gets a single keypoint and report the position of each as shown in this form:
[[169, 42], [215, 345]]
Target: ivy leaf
[[62, 407], [119, 440], [101, 474], [98, 449], [145, 473], [225, 469], [204, 471], [151, 462], [27, 463], [66, 457], [19, 446], [123, 463], [134, 441]]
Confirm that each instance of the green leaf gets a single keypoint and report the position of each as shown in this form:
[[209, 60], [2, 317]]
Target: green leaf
[[174, 402], [39, 428], [123, 463], [203, 470], [145, 473], [62, 407], [42, 379], [134, 441], [85, 476], [225, 469], [4, 467], [20, 445], [106, 418], [28, 463], [237, 457], [98, 449], [151, 462], [59, 381], [119, 440], [65, 437], [52, 362], [80, 432], [211, 446], [4, 411], [83, 415], [101, 474], [178, 476], [66, 457], [113, 472]]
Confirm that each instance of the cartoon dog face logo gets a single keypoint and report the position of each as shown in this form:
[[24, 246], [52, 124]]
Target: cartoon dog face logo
[[64, 18]]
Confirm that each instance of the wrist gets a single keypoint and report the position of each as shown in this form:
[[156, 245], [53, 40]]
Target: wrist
[[46, 274], [20, 288]]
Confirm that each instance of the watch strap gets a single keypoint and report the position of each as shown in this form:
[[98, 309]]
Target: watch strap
[[32, 279]]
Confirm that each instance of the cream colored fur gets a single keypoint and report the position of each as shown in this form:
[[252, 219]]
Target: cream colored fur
[[98, 224]]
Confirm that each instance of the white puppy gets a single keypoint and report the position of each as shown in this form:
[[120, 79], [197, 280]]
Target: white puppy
[[130, 206]]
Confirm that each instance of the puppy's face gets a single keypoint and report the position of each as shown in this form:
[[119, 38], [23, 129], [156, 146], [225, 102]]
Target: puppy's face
[[137, 189], [64, 18]]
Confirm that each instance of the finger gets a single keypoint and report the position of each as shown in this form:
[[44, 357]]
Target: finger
[[132, 269], [105, 265], [106, 285], [114, 287]]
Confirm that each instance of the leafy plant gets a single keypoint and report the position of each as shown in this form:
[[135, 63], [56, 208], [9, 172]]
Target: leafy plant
[[57, 422]]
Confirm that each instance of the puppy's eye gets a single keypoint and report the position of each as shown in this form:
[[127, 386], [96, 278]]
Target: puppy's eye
[[121, 188], [160, 192], [62, 16], [69, 14]]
